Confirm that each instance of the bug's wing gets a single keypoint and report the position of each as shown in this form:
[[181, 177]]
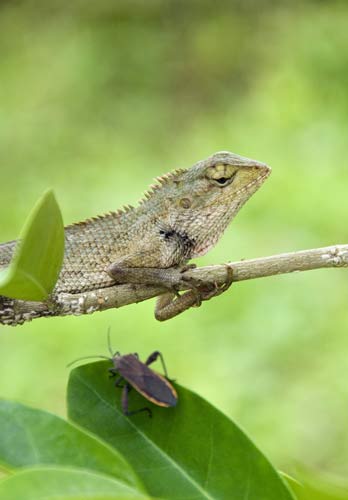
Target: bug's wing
[[150, 384], [158, 390]]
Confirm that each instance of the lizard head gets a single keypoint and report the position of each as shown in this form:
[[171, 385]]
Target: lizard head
[[201, 201]]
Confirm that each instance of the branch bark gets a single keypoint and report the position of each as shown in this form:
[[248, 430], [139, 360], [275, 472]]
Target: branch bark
[[121, 295]]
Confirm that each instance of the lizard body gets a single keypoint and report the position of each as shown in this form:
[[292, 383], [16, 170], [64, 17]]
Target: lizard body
[[180, 218]]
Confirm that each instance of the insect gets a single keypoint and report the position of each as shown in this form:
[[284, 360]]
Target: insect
[[134, 373]]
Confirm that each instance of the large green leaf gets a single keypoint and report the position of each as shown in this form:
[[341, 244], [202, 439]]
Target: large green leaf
[[35, 266], [30, 437], [191, 451], [65, 483]]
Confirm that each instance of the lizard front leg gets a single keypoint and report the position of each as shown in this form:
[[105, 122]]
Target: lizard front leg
[[171, 277], [171, 304]]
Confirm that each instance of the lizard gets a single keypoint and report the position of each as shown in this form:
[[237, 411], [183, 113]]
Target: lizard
[[181, 217]]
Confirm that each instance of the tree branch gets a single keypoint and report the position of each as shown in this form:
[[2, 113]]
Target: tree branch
[[121, 295], [305, 260]]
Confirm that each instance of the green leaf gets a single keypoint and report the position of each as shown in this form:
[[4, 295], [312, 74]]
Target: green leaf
[[313, 487], [63, 483], [35, 267], [31, 437], [191, 451]]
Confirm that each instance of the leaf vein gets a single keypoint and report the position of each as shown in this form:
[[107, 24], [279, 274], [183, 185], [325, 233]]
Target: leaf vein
[[152, 445]]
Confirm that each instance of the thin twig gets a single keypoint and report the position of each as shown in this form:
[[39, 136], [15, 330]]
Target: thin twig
[[121, 295], [305, 260]]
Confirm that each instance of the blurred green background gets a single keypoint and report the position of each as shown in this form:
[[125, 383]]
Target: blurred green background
[[97, 98]]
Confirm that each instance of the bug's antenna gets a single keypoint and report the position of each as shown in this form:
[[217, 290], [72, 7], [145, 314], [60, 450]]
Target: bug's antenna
[[109, 342], [112, 353], [87, 357]]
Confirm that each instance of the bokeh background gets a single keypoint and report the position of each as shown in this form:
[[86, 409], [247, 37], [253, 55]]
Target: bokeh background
[[97, 98]]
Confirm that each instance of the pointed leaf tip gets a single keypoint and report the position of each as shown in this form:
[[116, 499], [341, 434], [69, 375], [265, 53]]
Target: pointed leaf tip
[[35, 266]]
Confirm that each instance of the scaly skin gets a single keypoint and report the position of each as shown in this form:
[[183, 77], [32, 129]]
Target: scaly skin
[[182, 217]]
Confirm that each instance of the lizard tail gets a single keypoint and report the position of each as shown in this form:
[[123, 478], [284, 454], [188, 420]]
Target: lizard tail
[[7, 312], [16, 312]]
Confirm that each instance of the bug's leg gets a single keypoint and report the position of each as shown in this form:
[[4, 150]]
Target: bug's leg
[[124, 400], [124, 403], [153, 357], [134, 412], [118, 382], [112, 372]]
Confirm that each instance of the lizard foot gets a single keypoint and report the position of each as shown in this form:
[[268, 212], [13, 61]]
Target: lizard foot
[[206, 291], [168, 306], [225, 286]]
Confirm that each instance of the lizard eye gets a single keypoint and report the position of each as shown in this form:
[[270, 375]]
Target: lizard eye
[[222, 181], [221, 175]]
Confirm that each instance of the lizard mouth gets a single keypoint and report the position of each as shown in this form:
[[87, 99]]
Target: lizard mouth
[[248, 187], [255, 182], [231, 209]]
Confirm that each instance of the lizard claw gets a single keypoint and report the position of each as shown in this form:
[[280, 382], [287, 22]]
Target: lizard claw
[[229, 278], [208, 291], [187, 267]]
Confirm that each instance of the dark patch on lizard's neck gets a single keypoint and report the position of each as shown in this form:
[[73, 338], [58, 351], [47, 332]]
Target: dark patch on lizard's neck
[[179, 238]]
